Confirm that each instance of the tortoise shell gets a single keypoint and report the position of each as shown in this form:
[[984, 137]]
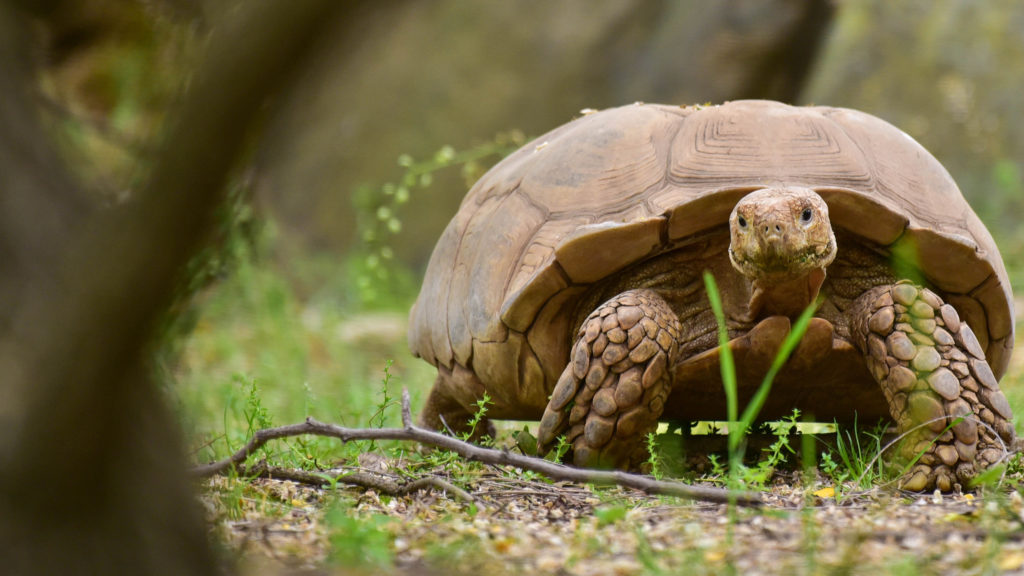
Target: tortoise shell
[[616, 187]]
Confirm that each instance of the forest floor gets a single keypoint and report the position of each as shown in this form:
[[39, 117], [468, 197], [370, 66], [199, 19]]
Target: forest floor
[[240, 370], [532, 526]]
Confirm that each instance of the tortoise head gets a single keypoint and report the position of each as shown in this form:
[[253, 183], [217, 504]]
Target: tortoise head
[[780, 233]]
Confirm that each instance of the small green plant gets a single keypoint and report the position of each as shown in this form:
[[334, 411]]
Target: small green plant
[[718, 469], [562, 447], [376, 273], [858, 461], [652, 456], [478, 417], [385, 401], [829, 466], [256, 416], [774, 455], [254, 413], [739, 424]]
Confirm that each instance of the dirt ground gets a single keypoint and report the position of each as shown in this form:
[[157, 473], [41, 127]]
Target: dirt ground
[[530, 526]]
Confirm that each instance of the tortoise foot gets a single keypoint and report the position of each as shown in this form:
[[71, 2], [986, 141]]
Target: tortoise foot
[[450, 403], [613, 391], [940, 388]]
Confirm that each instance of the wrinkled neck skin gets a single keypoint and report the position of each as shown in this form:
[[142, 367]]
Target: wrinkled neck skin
[[784, 294]]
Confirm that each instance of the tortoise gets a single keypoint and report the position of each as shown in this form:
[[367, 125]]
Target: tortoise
[[568, 287]]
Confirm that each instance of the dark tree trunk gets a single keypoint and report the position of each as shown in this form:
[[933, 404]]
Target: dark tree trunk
[[92, 478]]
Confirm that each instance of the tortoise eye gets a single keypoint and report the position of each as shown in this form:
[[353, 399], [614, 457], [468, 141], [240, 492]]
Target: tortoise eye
[[741, 221], [806, 215]]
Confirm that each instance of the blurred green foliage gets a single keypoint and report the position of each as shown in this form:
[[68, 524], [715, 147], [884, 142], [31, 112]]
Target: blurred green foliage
[[379, 279]]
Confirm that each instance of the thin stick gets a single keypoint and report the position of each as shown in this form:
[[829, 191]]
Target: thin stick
[[479, 454], [382, 483]]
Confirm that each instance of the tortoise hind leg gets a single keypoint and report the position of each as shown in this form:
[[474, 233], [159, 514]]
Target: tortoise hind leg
[[613, 391], [451, 403], [933, 372]]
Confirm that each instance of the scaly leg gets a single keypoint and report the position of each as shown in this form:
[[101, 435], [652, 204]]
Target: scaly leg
[[932, 369], [613, 391]]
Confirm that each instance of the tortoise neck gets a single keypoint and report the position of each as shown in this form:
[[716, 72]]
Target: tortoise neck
[[784, 296]]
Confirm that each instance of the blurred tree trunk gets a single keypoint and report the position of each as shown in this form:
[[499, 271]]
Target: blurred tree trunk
[[92, 479]]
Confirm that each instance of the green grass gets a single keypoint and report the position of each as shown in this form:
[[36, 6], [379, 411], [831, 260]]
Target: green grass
[[738, 426], [257, 351]]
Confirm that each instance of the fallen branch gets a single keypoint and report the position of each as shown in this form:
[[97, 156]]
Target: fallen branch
[[383, 483], [552, 470]]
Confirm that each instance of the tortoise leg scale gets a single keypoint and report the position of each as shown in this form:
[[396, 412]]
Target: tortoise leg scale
[[613, 391], [933, 372]]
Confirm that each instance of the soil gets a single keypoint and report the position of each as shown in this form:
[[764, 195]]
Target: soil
[[520, 525]]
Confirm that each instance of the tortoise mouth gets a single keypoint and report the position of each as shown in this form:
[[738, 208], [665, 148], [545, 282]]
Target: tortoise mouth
[[777, 263]]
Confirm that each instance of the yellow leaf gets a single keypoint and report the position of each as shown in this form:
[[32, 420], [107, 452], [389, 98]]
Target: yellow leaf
[[1011, 561], [714, 556], [826, 492], [298, 503]]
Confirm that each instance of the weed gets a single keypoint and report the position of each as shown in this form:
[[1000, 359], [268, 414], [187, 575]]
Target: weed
[[860, 461], [256, 416], [652, 456], [775, 455], [829, 466], [378, 277], [386, 401], [478, 417], [737, 426], [718, 469], [561, 449]]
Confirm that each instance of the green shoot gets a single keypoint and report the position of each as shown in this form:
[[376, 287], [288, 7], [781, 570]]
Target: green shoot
[[652, 456], [386, 400], [478, 416], [737, 426]]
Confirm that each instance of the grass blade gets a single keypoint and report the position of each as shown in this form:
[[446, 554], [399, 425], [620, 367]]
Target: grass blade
[[788, 345], [728, 367]]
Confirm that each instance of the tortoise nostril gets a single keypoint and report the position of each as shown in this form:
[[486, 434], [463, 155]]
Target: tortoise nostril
[[778, 228]]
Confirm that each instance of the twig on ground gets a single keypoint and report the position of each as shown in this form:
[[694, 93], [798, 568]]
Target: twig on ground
[[479, 454], [382, 483]]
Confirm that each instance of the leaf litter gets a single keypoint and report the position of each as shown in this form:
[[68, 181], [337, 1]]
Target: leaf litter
[[527, 525]]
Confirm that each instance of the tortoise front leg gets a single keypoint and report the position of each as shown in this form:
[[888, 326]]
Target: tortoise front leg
[[613, 391], [932, 370]]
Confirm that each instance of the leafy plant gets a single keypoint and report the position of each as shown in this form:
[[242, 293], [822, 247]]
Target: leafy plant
[[478, 417], [379, 212], [652, 456], [775, 454]]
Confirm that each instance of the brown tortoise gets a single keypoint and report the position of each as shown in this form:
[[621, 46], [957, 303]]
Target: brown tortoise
[[568, 286]]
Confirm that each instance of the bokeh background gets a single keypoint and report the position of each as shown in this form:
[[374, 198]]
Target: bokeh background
[[332, 219]]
